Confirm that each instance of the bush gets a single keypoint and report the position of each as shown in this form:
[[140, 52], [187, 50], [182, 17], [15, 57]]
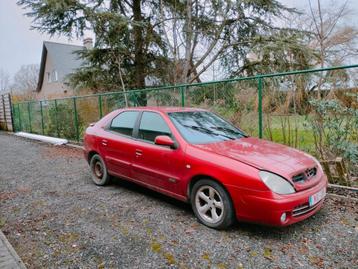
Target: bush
[[335, 129], [63, 121]]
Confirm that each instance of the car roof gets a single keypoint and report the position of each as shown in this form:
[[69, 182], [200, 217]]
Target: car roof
[[165, 109]]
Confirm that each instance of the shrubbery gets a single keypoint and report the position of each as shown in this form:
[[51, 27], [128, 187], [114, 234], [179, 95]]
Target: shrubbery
[[335, 130]]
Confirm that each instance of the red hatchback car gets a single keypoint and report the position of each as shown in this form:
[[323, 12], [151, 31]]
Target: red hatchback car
[[194, 155]]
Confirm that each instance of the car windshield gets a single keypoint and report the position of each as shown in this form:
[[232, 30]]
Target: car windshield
[[203, 127]]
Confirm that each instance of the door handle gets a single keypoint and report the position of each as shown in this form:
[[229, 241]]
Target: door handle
[[104, 142], [138, 152]]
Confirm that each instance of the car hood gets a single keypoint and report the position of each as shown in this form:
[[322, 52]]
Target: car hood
[[264, 155]]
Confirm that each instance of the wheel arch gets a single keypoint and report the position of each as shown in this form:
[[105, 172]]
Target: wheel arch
[[196, 178], [90, 155]]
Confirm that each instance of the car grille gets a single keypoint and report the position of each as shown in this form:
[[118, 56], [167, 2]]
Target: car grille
[[302, 177], [303, 209]]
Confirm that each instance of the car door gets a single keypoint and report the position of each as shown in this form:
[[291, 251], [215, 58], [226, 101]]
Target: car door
[[117, 143], [155, 165]]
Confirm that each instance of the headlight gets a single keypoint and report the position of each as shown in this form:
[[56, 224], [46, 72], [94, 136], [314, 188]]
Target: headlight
[[276, 183]]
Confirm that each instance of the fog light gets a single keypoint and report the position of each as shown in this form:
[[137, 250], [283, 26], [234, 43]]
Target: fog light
[[283, 217]]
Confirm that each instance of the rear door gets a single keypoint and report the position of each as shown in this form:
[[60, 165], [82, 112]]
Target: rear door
[[155, 165], [117, 143]]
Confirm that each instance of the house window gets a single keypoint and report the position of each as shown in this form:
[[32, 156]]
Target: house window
[[54, 75]]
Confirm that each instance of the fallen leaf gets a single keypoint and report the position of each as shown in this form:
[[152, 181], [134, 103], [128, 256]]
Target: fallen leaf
[[268, 253], [240, 266], [206, 256], [318, 261], [156, 247]]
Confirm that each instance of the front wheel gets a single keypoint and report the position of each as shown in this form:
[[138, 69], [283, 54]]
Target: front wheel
[[99, 172], [212, 204]]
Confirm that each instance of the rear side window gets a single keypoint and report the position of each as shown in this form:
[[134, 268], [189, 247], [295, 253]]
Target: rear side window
[[152, 125], [124, 122]]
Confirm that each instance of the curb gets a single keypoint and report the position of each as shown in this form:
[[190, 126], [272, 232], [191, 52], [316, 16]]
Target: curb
[[74, 146], [8, 256], [342, 197], [354, 189]]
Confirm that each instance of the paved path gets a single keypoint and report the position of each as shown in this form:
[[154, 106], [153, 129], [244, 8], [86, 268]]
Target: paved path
[[8, 257]]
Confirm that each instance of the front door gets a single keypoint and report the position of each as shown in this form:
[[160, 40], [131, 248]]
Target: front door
[[155, 165]]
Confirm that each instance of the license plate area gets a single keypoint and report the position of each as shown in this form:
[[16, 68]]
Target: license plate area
[[315, 198]]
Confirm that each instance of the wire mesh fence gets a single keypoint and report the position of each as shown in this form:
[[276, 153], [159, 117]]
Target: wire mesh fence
[[312, 110]]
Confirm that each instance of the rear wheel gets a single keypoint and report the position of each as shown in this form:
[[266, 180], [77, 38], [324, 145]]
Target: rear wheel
[[99, 172], [212, 204]]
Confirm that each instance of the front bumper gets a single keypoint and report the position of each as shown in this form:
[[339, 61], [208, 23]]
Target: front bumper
[[267, 208]]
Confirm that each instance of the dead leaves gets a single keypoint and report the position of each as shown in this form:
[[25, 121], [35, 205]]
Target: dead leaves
[[268, 253], [316, 260], [7, 196]]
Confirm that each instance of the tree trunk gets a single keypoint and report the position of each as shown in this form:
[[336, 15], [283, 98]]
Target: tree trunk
[[321, 41], [188, 40], [139, 58]]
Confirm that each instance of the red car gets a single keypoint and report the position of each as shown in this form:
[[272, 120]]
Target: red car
[[194, 155]]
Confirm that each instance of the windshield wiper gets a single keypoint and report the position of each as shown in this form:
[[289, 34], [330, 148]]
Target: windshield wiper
[[230, 130], [208, 131]]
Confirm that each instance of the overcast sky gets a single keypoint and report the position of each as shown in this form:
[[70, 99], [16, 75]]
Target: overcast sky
[[20, 46]]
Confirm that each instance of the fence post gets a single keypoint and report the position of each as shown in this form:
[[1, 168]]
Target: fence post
[[4, 110], [259, 88], [182, 93], [76, 119], [18, 108], [135, 99], [13, 113], [42, 118], [29, 112], [100, 106], [56, 119]]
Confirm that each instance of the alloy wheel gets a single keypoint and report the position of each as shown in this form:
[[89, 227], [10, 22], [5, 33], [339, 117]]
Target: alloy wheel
[[209, 204]]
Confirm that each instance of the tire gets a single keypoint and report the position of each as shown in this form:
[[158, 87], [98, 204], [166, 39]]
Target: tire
[[99, 171], [212, 204]]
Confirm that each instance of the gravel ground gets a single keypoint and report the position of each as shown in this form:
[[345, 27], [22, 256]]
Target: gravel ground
[[56, 218]]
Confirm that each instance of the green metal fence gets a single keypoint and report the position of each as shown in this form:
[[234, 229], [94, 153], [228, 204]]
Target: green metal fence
[[68, 117]]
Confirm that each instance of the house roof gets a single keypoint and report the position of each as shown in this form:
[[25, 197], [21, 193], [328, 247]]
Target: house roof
[[63, 57]]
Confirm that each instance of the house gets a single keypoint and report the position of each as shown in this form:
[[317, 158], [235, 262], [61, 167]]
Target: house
[[57, 62]]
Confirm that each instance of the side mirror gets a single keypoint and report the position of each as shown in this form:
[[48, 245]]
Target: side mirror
[[165, 140]]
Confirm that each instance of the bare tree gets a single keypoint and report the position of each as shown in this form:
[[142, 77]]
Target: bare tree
[[334, 40], [188, 38], [200, 34], [25, 80], [4, 80], [200, 54]]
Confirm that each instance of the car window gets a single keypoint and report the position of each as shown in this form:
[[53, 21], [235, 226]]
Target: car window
[[152, 125], [124, 122], [202, 127]]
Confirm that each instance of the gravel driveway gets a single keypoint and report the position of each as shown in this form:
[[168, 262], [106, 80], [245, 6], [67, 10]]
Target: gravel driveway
[[56, 218]]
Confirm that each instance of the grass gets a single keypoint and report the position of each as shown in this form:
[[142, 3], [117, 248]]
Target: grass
[[304, 141], [289, 130]]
